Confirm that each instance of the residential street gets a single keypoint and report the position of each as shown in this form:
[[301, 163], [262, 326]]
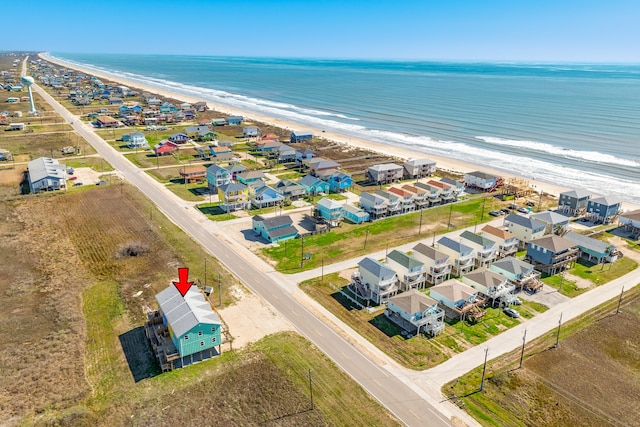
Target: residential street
[[414, 397]]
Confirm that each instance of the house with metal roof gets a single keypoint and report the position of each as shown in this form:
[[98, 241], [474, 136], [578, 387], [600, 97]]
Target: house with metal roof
[[274, 229], [407, 203], [482, 181], [394, 202], [485, 250], [456, 186], [418, 168], [520, 273], [46, 174], [461, 300], [263, 196], [234, 120], [416, 313], [250, 132], [194, 173], [420, 196], [193, 326], [313, 185], [249, 177], [490, 284], [462, 256], [300, 136], [507, 242], [179, 138], [375, 281], [603, 209], [217, 176], [436, 264], [385, 173], [410, 270], [551, 254], [355, 214], [374, 205], [447, 193], [433, 193], [291, 190], [524, 228], [330, 210], [574, 202], [593, 250], [339, 182], [555, 222]]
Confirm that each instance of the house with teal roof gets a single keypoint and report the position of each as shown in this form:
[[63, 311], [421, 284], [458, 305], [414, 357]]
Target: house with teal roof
[[313, 185], [355, 214], [339, 182], [264, 196]]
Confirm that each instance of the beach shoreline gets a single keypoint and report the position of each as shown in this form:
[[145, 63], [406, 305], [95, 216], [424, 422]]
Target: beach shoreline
[[443, 163]]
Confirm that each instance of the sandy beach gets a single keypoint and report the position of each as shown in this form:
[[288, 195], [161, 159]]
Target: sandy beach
[[447, 164]]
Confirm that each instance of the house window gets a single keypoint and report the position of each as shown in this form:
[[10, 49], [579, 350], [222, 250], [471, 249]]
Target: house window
[[213, 329], [186, 337], [201, 343], [199, 333], [213, 340]]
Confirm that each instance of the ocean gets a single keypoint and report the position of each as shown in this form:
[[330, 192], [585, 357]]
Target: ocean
[[574, 125]]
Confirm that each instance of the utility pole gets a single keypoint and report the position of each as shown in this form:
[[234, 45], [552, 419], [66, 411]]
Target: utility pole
[[540, 201], [524, 338], [220, 289], [620, 300], [365, 238], [484, 368], [322, 275], [482, 213], [558, 333], [205, 272], [420, 227], [311, 390], [302, 252], [450, 212]]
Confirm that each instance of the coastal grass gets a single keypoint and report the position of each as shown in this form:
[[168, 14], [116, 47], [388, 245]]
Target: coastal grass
[[98, 164], [214, 212], [352, 240], [191, 192], [565, 286], [551, 388], [415, 352], [600, 274]]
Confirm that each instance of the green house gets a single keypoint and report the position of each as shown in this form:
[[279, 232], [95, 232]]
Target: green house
[[193, 325]]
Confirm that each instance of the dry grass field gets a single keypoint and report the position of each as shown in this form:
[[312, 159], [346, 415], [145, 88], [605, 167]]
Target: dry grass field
[[591, 379]]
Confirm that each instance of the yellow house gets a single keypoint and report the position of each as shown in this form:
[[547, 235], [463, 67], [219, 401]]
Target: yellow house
[[233, 196]]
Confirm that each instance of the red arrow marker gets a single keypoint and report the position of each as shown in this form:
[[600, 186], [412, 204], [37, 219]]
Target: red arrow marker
[[183, 285]]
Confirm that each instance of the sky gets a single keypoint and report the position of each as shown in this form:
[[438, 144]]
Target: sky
[[515, 30]]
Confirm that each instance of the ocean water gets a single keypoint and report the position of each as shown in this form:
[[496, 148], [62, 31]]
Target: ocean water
[[575, 125]]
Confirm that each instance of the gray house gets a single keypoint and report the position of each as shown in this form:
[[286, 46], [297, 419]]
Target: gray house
[[462, 256], [46, 174], [415, 312], [520, 273], [574, 202], [375, 281], [554, 222], [410, 271], [386, 173], [436, 264], [419, 168]]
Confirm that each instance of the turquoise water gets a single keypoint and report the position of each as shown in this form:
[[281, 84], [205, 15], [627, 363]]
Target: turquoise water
[[577, 125]]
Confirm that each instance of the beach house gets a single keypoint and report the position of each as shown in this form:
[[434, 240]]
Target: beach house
[[46, 174], [482, 181], [456, 186], [274, 229], [165, 147], [339, 182], [135, 140], [250, 177], [300, 137], [603, 209], [460, 300], [407, 203], [491, 284], [416, 313], [432, 193], [233, 197], [522, 274], [551, 254], [394, 205], [234, 120], [507, 242], [330, 211], [524, 228], [485, 250], [630, 221], [554, 222], [420, 196], [593, 250], [375, 281], [250, 132], [418, 168], [195, 173], [354, 214], [574, 202], [312, 185], [193, 327], [291, 190], [386, 173], [410, 271], [462, 256], [321, 167], [447, 193], [179, 138], [264, 196], [436, 264], [217, 176]]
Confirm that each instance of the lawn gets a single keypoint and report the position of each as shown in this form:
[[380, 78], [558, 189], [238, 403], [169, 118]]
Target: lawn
[[600, 274], [416, 352], [351, 240], [214, 212]]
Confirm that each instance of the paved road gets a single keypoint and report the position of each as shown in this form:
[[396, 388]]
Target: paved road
[[404, 402]]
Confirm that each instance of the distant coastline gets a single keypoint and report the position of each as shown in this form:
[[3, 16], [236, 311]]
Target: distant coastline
[[540, 182]]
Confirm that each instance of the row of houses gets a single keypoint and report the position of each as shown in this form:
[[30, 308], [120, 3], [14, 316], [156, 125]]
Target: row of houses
[[604, 209], [389, 173]]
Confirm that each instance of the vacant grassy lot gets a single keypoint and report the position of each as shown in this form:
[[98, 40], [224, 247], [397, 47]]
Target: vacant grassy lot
[[349, 240], [416, 352], [591, 379]]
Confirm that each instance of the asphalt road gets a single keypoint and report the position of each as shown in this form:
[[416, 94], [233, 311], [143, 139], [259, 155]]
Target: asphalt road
[[401, 400]]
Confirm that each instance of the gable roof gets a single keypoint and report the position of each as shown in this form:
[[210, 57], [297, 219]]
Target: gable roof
[[420, 162], [413, 301], [44, 167], [454, 290], [429, 252], [550, 217], [502, 234], [376, 268], [606, 200], [588, 242], [386, 167], [214, 169], [485, 277], [184, 313], [405, 260], [525, 222], [275, 221], [579, 193], [232, 187], [477, 239], [455, 246], [553, 243], [329, 204], [513, 265], [310, 181]]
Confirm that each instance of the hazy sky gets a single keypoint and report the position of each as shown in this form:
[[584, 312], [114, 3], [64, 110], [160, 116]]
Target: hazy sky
[[545, 30]]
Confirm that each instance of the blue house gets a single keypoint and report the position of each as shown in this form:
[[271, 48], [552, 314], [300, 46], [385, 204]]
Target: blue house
[[193, 326], [234, 120], [250, 177], [593, 250], [603, 209], [275, 229], [354, 214], [551, 254], [135, 140], [339, 182], [313, 185], [179, 138], [301, 136], [265, 196], [330, 210], [217, 176]]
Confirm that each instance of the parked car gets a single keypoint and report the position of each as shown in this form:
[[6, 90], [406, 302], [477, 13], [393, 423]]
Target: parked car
[[505, 211], [511, 312], [101, 182], [72, 178], [530, 203], [513, 206], [77, 184], [523, 210], [495, 213]]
